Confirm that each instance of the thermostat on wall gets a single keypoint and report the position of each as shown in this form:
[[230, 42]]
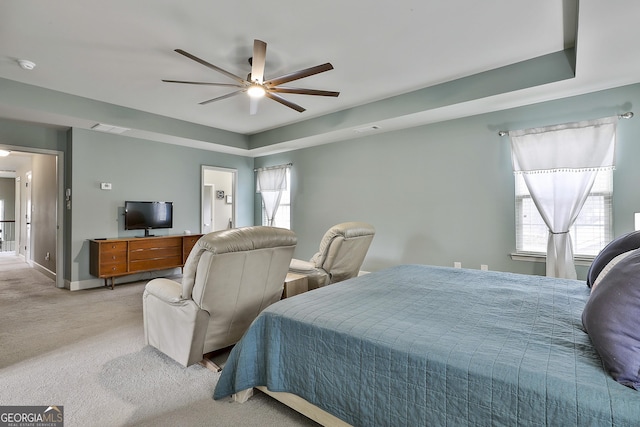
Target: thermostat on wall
[[105, 186]]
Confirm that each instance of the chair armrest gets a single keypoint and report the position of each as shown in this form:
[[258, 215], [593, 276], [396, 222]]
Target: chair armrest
[[316, 277], [165, 289], [174, 325], [302, 267]]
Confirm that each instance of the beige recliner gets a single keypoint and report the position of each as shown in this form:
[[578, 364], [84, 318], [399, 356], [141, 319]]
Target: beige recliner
[[341, 254], [229, 277]]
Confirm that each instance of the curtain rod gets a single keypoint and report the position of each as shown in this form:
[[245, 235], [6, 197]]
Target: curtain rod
[[273, 167], [626, 115]]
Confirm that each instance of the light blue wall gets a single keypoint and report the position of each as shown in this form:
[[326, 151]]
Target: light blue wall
[[414, 185], [32, 136], [444, 192], [39, 99], [140, 170], [137, 169], [530, 73]]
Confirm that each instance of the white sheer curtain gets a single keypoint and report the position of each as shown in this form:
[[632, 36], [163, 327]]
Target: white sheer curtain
[[559, 164], [269, 183]]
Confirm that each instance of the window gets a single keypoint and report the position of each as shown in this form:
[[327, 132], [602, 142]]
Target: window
[[592, 230], [283, 214]]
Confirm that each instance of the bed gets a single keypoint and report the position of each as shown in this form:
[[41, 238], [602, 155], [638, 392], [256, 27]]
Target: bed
[[421, 345]]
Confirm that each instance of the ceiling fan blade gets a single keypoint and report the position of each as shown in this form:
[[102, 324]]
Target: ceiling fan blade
[[299, 74], [304, 91], [229, 95], [213, 67], [258, 60], [253, 105], [203, 83], [283, 101]]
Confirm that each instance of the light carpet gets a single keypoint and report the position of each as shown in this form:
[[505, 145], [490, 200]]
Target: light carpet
[[85, 350]]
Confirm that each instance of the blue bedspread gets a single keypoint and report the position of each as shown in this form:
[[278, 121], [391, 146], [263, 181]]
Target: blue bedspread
[[432, 346]]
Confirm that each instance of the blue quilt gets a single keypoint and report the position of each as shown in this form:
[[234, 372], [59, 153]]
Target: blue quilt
[[415, 345]]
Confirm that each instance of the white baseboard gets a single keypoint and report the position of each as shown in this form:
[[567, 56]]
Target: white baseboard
[[44, 270]]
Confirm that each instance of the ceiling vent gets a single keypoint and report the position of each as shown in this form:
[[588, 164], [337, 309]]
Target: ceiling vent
[[109, 128], [365, 129]]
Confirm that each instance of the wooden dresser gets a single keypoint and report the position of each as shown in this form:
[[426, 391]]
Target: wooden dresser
[[110, 258]]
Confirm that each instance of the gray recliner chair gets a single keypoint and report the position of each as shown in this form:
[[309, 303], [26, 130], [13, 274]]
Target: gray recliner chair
[[341, 254], [229, 277]]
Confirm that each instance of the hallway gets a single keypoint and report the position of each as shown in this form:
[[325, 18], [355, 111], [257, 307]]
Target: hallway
[[14, 271], [9, 261]]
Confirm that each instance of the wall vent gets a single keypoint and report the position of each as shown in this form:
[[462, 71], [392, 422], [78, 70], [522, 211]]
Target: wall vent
[[108, 128]]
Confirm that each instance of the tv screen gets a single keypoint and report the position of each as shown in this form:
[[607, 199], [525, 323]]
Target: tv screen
[[147, 215]]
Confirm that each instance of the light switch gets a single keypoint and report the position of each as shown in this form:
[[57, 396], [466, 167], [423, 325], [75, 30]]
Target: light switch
[[105, 186]]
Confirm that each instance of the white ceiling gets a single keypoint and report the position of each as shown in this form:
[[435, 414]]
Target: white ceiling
[[118, 51], [15, 161]]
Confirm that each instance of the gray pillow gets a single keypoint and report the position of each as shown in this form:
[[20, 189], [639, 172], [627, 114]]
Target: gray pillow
[[608, 268], [616, 247], [611, 317]]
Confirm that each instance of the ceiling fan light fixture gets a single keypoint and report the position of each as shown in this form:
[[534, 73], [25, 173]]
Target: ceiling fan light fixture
[[256, 91], [255, 85]]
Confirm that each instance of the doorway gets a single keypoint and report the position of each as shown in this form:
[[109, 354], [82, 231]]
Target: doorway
[[39, 187], [218, 202]]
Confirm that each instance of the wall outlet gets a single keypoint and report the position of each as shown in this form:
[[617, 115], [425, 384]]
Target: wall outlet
[[47, 256], [484, 267], [105, 186], [457, 264]]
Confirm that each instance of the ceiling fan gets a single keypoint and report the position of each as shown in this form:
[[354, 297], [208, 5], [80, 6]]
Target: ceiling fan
[[255, 85]]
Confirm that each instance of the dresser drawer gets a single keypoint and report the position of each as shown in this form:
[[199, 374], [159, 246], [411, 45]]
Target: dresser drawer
[[113, 257], [112, 269], [155, 253], [113, 247], [153, 243], [155, 264]]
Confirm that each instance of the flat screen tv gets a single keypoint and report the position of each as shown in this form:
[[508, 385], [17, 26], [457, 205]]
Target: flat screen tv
[[147, 216]]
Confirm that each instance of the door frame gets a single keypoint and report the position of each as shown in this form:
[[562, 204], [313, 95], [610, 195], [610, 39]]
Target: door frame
[[25, 221], [208, 206], [234, 186], [18, 213], [60, 204]]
